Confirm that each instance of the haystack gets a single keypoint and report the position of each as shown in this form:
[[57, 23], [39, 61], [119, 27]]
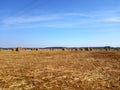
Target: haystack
[[88, 49], [18, 49], [64, 49]]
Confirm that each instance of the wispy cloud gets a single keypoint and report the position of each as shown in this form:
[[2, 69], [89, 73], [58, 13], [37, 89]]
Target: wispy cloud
[[25, 19], [63, 20], [74, 14], [39, 18], [112, 19]]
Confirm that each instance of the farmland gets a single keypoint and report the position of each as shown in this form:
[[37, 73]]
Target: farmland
[[60, 70]]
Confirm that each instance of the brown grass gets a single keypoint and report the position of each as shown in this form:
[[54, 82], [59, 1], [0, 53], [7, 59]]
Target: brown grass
[[60, 70]]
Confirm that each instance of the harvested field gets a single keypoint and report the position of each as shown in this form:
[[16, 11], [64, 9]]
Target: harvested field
[[60, 70]]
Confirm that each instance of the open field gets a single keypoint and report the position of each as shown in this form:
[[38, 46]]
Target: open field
[[60, 70]]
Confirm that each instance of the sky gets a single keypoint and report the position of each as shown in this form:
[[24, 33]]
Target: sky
[[59, 23]]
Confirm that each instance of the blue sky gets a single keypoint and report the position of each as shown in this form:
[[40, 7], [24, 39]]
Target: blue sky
[[69, 23]]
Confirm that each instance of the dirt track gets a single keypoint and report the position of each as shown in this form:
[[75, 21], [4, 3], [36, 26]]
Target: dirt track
[[60, 70]]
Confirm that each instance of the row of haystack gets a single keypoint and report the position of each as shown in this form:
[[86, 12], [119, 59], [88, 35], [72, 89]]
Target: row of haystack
[[63, 49]]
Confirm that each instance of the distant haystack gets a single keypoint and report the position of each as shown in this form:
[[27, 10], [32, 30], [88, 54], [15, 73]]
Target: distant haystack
[[17, 49], [88, 49], [14, 49], [82, 49], [75, 49], [64, 49], [37, 49], [33, 49]]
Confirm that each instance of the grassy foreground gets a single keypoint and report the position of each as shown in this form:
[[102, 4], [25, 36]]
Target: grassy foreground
[[60, 70]]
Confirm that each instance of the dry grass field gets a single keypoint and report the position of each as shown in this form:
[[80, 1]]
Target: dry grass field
[[60, 70]]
